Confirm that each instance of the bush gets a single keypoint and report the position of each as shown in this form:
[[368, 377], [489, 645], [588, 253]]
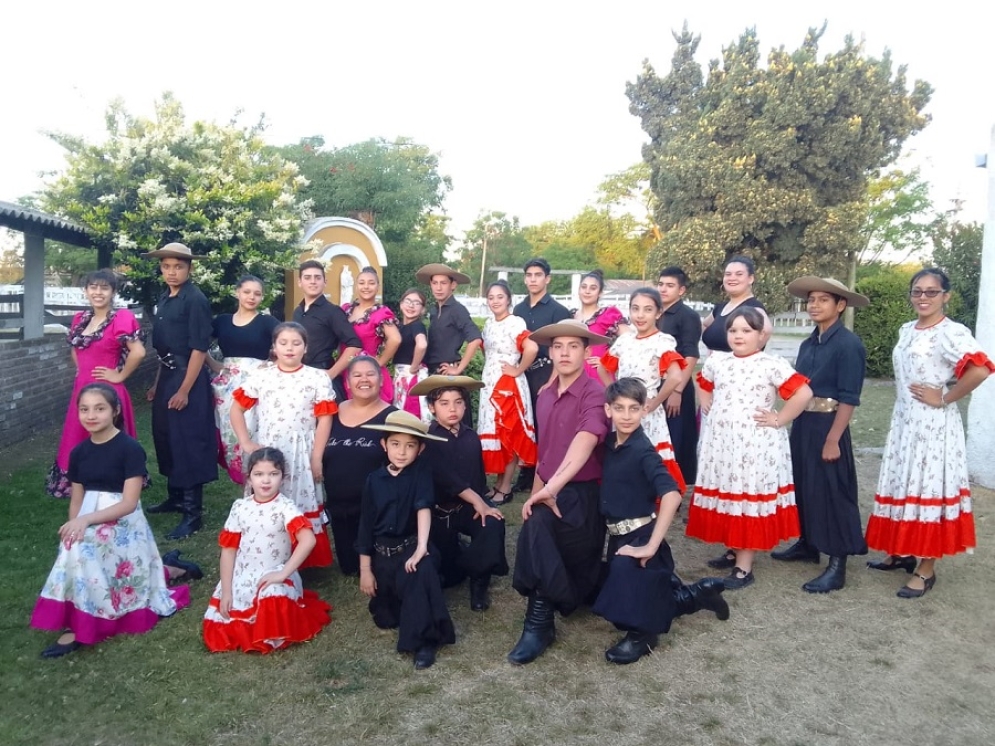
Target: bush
[[877, 324]]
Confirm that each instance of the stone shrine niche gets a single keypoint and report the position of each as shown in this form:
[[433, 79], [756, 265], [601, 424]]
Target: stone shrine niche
[[344, 246]]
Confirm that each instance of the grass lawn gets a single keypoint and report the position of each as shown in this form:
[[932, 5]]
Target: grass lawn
[[859, 666]]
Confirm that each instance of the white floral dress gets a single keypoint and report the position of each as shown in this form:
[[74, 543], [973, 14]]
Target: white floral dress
[[922, 506], [648, 358], [744, 496], [263, 535], [504, 421], [287, 405]]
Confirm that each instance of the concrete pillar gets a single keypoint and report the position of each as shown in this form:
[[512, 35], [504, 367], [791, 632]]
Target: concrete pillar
[[980, 424], [575, 288], [34, 286]]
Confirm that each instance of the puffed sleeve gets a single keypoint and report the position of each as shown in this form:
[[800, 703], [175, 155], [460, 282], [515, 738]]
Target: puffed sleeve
[[669, 354], [782, 375], [609, 361], [706, 376], [382, 317], [126, 327], [960, 349], [294, 520], [246, 401], [231, 534], [324, 395]]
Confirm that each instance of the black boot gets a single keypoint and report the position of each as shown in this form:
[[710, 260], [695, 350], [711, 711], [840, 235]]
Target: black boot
[[538, 632], [832, 579], [631, 648], [479, 600], [526, 477], [172, 504], [193, 509], [191, 570], [705, 594], [800, 551]]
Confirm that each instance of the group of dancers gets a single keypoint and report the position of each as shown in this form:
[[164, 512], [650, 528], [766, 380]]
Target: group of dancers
[[595, 411]]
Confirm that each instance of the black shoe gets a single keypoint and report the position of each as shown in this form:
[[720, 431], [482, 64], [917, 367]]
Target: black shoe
[[800, 551], [832, 579], [56, 650], [526, 478], [724, 561], [172, 504], [928, 583], [425, 657], [705, 594], [895, 562], [538, 632], [479, 600], [193, 509], [738, 579], [191, 570], [631, 648]]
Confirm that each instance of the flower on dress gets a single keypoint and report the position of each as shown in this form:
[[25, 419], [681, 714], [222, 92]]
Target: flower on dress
[[127, 596], [124, 570], [105, 533]]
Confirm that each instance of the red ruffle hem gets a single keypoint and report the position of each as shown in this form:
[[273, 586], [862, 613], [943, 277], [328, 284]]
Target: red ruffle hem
[[761, 532], [920, 538], [279, 622], [512, 428]]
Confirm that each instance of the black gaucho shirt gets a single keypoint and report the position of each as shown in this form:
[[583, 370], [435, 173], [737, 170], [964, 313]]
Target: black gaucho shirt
[[545, 312], [327, 327], [633, 477], [390, 504], [457, 464], [684, 325], [183, 322], [449, 327], [834, 364]]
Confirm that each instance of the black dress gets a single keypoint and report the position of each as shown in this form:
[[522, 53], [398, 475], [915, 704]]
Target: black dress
[[714, 336]]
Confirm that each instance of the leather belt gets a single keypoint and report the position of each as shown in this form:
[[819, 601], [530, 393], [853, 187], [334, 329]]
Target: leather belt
[[386, 550], [822, 404], [171, 361], [541, 362], [629, 525]]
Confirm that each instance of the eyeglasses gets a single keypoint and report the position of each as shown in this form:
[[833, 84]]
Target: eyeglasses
[[411, 302], [917, 293]]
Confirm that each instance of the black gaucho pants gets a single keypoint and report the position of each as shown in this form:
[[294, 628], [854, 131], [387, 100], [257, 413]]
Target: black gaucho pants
[[186, 441], [483, 555]]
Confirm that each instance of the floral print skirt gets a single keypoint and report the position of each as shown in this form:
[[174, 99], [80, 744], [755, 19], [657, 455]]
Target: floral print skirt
[[111, 582]]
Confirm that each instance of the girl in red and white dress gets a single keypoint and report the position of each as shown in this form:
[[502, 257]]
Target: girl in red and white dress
[[922, 507], [744, 496], [294, 408], [259, 604], [646, 353], [504, 421]]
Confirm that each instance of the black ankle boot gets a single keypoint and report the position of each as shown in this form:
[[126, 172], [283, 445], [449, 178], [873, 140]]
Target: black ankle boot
[[800, 551], [191, 570], [705, 594], [172, 504], [631, 648], [193, 509], [526, 477], [832, 579], [479, 601], [538, 632]]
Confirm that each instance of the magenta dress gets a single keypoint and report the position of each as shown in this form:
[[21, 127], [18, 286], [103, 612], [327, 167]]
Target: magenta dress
[[605, 322], [107, 347], [370, 330]]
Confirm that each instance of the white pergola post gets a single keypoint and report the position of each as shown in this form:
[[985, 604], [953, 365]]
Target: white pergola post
[[980, 423], [575, 287], [33, 306]]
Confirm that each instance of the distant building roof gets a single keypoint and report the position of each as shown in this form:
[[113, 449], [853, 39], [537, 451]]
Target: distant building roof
[[31, 221]]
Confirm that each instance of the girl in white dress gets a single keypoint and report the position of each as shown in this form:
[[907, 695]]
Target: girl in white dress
[[922, 507], [504, 421], [744, 496], [294, 408], [259, 604], [646, 353]]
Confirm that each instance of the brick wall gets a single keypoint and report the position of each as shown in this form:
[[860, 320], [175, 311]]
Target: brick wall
[[36, 380]]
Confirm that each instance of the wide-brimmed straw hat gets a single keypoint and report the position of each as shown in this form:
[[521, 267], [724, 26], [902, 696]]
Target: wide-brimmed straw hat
[[566, 328], [403, 422], [172, 251], [433, 383], [426, 273], [801, 287]]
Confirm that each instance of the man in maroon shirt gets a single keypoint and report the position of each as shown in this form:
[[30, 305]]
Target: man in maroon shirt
[[559, 547]]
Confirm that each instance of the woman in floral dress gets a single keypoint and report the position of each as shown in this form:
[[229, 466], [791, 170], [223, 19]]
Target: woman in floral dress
[[294, 406], [608, 321], [375, 325], [922, 507], [259, 605], [504, 421], [106, 345], [245, 338]]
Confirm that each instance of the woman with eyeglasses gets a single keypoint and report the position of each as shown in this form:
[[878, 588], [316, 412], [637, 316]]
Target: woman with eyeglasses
[[408, 360], [922, 507]]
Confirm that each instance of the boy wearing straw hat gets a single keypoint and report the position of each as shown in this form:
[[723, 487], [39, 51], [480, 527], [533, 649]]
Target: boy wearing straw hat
[[396, 570], [182, 402], [460, 483]]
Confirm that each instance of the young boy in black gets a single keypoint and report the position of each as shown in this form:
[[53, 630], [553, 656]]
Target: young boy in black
[[396, 570], [460, 483], [641, 595]]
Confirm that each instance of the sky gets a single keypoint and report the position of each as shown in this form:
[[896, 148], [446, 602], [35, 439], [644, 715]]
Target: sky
[[524, 101]]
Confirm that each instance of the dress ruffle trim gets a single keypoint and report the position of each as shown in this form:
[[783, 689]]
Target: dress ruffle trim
[[703, 383], [229, 539], [973, 358], [279, 622], [666, 451], [243, 399], [790, 387], [760, 533], [515, 433], [321, 555], [326, 407], [610, 363], [669, 358], [921, 538], [520, 340], [296, 525]]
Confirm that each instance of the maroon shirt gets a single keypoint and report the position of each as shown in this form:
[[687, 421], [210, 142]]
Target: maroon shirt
[[581, 408]]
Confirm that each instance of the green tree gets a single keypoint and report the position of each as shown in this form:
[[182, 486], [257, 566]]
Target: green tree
[[957, 250], [773, 160], [503, 240], [216, 188], [427, 244]]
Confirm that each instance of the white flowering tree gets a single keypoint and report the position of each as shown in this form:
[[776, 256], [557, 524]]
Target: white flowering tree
[[216, 188]]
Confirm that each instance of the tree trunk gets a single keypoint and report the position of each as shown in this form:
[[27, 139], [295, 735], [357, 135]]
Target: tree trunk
[[851, 282]]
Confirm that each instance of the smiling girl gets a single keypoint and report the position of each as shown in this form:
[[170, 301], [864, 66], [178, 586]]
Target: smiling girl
[[375, 325], [409, 359], [608, 321]]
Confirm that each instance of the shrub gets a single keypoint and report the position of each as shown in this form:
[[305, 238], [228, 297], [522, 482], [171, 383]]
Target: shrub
[[877, 324]]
